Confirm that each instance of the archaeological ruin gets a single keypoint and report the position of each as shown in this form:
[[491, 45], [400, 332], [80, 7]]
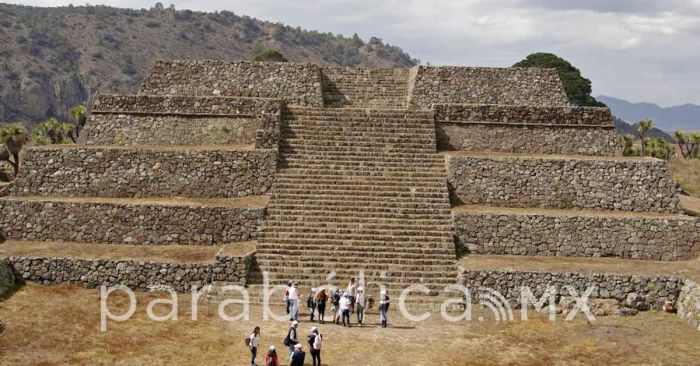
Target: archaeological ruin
[[218, 172]]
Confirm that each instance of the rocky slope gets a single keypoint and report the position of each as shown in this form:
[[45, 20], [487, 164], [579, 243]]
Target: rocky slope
[[54, 58]]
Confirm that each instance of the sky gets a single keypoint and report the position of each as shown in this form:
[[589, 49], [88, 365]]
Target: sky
[[639, 50]]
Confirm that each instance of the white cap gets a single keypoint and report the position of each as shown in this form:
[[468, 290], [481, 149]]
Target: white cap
[[383, 292], [360, 288], [272, 348], [295, 322], [313, 329]]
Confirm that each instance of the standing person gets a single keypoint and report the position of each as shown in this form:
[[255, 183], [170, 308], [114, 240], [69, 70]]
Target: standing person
[[271, 358], [315, 343], [286, 295], [321, 299], [351, 292], [297, 358], [345, 309], [336, 306], [383, 307], [292, 338], [360, 305], [253, 343], [294, 301], [311, 303]]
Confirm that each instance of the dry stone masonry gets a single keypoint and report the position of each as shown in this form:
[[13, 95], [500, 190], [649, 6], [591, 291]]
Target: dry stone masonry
[[349, 160]]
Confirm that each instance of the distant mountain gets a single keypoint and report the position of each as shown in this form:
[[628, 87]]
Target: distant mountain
[[679, 118], [624, 128]]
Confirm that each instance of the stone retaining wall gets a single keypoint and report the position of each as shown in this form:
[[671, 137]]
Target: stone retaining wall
[[186, 105], [137, 275], [89, 222], [298, 83], [689, 303], [141, 172], [637, 292], [552, 182], [527, 139], [524, 114], [485, 85], [654, 238]]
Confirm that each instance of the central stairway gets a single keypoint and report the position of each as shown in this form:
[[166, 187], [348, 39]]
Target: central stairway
[[359, 190]]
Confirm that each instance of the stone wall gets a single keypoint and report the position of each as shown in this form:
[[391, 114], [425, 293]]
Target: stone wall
[[638, 292], [145, 172], [527, 139], [558, 182], [524, 114], [132, 273], [180, 120], [651, 237], [688, 304], [298, 83], [484, 85], [127, 223]]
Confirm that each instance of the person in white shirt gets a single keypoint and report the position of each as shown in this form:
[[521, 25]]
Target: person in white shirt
[[351, 292], [293, 297], [360, 305], [345, 309], [253, 343], [315, 343]]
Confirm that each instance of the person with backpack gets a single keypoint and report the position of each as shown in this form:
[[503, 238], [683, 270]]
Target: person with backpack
[[336, 306], [315, 343], [383, 307], [311, 303], [360, 305], [271, 358], [253, 341], [292, 338], [297, 358], [321, 299]]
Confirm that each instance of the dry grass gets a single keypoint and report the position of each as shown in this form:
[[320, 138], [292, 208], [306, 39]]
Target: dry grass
[[242, 202], [141, 253], [582, 264], [557, 212], [687, 173], [488, 154], [691, 204], [238, 249], [60, 325]]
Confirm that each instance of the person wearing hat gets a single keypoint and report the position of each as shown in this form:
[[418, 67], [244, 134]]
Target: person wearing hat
[[315, 343], [292, 337], [345, 309], [297, 358], [271, 358], [360, 305], [383, 307]]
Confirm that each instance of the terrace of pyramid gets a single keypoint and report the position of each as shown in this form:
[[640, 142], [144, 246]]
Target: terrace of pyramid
[[218, 172]]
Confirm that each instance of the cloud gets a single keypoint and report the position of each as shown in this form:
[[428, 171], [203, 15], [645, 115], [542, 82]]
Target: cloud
[[633, 49]]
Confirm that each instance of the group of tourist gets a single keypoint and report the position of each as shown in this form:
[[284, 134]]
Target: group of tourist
[[351, 301]]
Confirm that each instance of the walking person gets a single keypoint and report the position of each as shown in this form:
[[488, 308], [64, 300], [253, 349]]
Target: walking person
[[351, 292], [294, 302], [253, 342], [271, 358], [321, 299], [360, 305], [383, 307], [315, 343], [336, 306], [286, 295], [297, 357], [311, 303], [345, 309], [292, 338]]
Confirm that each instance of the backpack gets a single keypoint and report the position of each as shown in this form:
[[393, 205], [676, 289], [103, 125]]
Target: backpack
[[310, 301], [247, 341], [311, 341], [318, 341], [288, 340]]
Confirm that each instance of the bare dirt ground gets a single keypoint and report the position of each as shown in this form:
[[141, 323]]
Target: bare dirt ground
[[59, 325]]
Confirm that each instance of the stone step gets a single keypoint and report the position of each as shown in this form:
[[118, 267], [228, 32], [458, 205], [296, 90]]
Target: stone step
[[355, 141], [325, 266], [338, 161], [329, 259], [393, 237], [408, 186], [341, 216], [400, 210], [355, 112], [409, 249], [287, 177], [359, 200], [131, 221], [346, 174], [335, 227], [350, 131], [394, 196]]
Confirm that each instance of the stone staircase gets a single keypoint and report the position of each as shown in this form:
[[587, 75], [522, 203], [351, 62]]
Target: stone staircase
[[359, 190], [359, 87]]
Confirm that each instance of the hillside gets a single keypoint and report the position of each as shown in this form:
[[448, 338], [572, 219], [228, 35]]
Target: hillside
[[624, 128], [678, 118], [54, 58]]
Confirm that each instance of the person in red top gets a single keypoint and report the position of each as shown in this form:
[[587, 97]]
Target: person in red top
[[271, 357]]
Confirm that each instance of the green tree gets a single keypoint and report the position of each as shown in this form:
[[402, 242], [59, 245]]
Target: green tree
[[577, 88], [643, 128], [79, 114], [270, 55], [682, 141], [694, 151], [52, 132], [627, 142], [14, 137]]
